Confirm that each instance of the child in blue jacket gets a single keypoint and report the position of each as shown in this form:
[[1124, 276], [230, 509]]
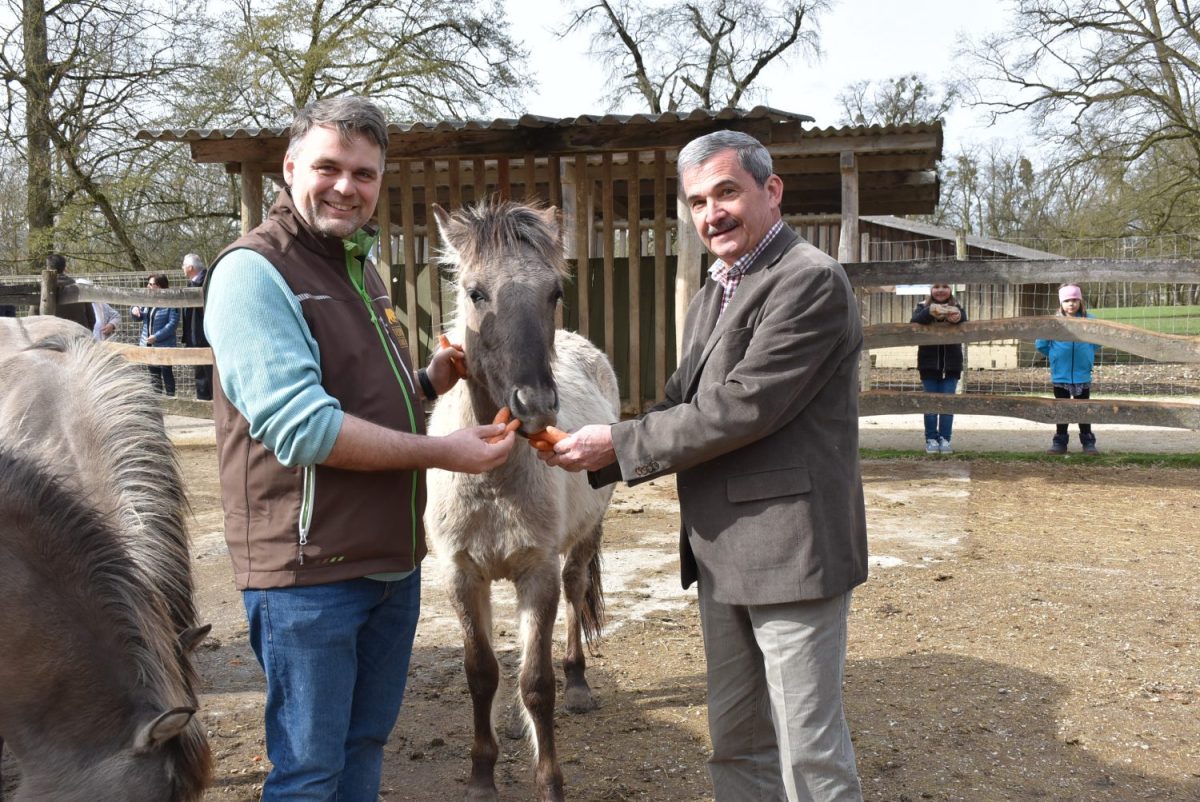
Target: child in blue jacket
[[1071, 370]]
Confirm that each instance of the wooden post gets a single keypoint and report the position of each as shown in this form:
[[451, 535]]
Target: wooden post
[[960, 245], [849, 248], [660, 275], [383, 215], [431, 249], [610, 243], [455, 187], [689, 253], [634, 253], [48, 303], [583, 236], [252, 196], [410, 262]]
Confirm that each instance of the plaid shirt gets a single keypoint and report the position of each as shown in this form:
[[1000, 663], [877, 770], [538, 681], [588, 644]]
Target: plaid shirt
[[729, 276]]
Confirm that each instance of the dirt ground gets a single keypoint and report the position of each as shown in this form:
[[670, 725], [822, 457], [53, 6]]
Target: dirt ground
[[1029, 631]]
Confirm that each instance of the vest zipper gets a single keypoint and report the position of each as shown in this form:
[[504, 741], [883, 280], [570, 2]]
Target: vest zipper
[[307, 500]]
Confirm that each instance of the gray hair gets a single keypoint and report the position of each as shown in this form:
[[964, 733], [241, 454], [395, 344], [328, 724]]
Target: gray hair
[[193, 260], [753, 156], [349, 116]]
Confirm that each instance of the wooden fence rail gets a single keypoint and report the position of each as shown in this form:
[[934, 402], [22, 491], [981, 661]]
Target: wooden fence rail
[[599, 306]]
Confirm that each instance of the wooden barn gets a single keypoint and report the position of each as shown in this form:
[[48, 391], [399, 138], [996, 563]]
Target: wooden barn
[[613, 176]]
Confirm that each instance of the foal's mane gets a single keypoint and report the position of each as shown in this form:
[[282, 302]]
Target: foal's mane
[[80, 548], [116, 407], [483, 231]]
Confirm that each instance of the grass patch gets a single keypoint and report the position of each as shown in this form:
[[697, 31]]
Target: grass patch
[[1183, 320], [1106, 459]]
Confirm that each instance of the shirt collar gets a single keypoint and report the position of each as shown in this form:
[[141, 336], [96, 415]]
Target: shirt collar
[[722, 272]]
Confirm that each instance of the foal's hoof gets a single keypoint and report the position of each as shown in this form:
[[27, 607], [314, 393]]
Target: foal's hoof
[[579, 700], [482, 795]]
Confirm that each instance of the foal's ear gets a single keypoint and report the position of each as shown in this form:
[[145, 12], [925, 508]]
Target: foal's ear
[[163, 728], [550, 216], [443, 218], [191, 637]]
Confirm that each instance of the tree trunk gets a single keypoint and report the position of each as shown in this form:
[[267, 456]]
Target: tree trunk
[[39, 207]]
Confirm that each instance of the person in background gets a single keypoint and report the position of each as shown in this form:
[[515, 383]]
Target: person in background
[[322, 454], [1071, 370], [8, 310], [193, 325], [82, 312], [107, 318], [940, 365], [159, 325], [760, 422]]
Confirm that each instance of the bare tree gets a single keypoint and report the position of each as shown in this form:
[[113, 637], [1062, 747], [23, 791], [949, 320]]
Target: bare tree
[[896, 101], [80, 76], [1107, 81], [706, 53], [429, 58]]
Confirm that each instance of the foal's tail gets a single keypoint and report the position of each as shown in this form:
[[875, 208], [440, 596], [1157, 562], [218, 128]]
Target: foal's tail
[[591, 612]]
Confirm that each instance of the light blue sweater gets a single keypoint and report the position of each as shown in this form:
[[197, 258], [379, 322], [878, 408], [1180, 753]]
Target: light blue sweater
[[268, 362]]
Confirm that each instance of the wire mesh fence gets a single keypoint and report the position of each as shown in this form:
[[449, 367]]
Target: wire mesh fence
[[129, 328]]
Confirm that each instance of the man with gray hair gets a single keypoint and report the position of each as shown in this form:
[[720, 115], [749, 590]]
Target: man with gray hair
[[193, 325], [322, 453], [760, 422]]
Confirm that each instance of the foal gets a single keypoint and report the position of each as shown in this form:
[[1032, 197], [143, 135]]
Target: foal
[[515, 521]]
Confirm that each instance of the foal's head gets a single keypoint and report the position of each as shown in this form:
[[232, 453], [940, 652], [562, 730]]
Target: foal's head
[[509, 270]]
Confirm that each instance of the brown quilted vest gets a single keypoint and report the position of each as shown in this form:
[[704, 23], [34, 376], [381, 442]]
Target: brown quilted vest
[[361, 522]]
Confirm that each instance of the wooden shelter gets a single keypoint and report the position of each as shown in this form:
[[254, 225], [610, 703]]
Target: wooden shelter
[[614, 178]]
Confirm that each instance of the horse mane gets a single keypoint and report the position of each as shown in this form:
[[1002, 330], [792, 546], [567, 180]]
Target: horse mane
[[116, 407], [82, 549], [479, 232]]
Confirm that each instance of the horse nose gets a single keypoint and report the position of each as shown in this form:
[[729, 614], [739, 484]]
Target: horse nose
[[537, 407]]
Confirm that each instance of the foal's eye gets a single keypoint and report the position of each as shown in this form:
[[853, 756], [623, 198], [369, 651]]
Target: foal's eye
[[476, 295]]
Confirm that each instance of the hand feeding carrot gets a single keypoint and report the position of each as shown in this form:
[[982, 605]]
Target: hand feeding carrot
[[459, 366], [505, 417], [546, 438]]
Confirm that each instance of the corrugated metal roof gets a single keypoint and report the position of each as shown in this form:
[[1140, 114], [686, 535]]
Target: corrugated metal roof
[[509, 124]]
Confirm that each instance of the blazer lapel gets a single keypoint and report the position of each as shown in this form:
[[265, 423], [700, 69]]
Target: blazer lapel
[[716, 327]]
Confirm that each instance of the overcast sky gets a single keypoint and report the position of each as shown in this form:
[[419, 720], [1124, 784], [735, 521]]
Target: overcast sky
[[861, 39]]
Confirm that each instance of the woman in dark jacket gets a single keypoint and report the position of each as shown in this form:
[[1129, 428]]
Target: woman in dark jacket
[[940, 365], [159, 325]]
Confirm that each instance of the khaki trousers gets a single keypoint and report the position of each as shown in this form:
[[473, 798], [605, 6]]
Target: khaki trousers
[[775, 701]]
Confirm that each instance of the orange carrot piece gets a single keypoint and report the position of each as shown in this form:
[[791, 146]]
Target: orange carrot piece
[[511, 424], [459, 366], [547, 437]]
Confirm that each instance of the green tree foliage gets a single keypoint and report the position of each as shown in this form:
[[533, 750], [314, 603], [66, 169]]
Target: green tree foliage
[[705, 54]]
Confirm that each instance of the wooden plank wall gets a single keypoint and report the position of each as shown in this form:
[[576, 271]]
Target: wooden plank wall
[[621, 297]]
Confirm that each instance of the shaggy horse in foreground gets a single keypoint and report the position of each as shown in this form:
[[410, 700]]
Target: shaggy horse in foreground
[[514, 522], [96, 619]]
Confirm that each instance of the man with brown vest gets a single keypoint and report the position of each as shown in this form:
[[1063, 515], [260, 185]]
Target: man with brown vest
[[322, 451]]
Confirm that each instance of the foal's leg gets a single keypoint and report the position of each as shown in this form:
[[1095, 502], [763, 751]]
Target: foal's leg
[[471, 594], [585, 605], [537, 605]]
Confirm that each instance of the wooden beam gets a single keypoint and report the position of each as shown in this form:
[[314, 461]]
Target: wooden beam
[[634, 252], [1042, 410], [848, 242], [660, 273], [1131, 339], [610, 243], [121, 296], [161, 356], [251, 196], [689, 251], [583, 235], [431, 249], [410, 264], [1043, 271], [383, 215]]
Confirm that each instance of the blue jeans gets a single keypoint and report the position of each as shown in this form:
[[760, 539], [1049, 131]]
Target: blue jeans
[[336, 659], [939, 426]]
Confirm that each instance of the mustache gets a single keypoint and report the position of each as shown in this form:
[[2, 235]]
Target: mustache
[[721, 228]]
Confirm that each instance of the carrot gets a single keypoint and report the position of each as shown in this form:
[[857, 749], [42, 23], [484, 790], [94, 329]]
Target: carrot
[[505, 417], [459, 366], [546, 438]]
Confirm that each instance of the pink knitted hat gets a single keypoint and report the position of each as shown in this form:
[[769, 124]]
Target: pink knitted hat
[[1068, 292]]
